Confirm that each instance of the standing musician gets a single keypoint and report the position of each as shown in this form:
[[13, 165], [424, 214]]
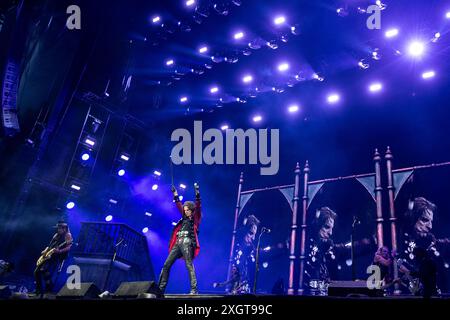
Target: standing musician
[[184, 240], [52, 257]]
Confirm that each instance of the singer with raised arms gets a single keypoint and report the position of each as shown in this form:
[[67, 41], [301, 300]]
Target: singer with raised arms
[[184, 240]]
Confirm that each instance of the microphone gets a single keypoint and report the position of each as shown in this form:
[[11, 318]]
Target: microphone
[[265, 230]]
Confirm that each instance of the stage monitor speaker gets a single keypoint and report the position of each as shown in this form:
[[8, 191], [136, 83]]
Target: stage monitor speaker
[[87, 290], [5, 292], [138, 289], [352, 289]]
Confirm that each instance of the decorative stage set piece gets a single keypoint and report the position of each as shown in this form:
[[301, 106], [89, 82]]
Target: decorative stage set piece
[[399, 245]]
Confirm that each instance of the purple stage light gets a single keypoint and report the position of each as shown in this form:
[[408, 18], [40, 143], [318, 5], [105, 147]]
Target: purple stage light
[[265, 265], [238, 35], [333, 98], [124, 157], [89, 141], [257, 118], [121, 172], [148, 214], [156, 19], [113, 201], [154, 187], [75, 187], [183, 99], [247, 79], [203, 49], [157, 173], [190, 3], [181, 198], [447, 15], [283, 67], [293, 108], [428, 74], [85, 156], [170, 62], [214, 90], [279, 20], [182, 186], [108, 218], [224, 127], [416, 48], [391, 33], [70, 205], [145, 230], [375, 87]]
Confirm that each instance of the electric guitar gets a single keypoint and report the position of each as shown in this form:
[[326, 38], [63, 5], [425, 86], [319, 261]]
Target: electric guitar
[[48, 253], [413, 283]]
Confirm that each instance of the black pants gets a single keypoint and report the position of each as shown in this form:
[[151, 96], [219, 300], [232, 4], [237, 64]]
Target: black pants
[[44, 274], [184, 247]]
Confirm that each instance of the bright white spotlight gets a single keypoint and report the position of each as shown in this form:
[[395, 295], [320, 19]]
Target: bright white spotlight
[[391, 33], [265, 265], [375, 87], [148, 214], [203, 49], [182, 186], [85, 156], [247, 79], [416, 48], [90, 142], [257, 119], [156, 19], [214, 90], [333, 98], [174, 223], [293, 108], [224, 127], [279, 20], [121, 172], [428, 74], [169, 62], [155, 187], [145, 230], [238, 35], [181, 198], [190, 3], [108, 218], [283, 67], [183, 99], [447, 14], [157, 173], [75, 187], [124, 157], [70, 205]]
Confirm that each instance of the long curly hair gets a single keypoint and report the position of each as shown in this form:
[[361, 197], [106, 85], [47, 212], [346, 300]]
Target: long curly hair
[[321, 217], [416, 209]]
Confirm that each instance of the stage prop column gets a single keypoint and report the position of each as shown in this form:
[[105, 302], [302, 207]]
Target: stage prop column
[[303, 234], [378, 195], [292, 257], [236, 216]]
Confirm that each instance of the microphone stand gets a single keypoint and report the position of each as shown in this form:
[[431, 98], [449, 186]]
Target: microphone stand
[[352, 249], [112, 262], [263, 230]]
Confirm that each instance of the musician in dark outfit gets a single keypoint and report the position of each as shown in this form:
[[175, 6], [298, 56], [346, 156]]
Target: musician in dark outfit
[[61, 242], [233, 284], [417, 233], [184, 240], [322, 253]]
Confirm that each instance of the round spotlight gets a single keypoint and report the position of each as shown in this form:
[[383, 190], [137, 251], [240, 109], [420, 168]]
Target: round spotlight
[[283, 67], [375, 87], [447, 15], [85, 156], [247, 79], [108, 218], [121, 172], [428, 74], [70, 205], [238, 35], [416, 49], [265, 265], [145, 230], [257, 118], [293, 108], [190, 3], [155, 187], [391, 33], [279, 20], [333, 98], [181, 198]]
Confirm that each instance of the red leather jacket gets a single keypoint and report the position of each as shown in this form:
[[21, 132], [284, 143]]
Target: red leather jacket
[[197, 217]]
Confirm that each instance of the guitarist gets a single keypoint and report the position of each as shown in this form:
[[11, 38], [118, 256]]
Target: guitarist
[[61, 243]]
